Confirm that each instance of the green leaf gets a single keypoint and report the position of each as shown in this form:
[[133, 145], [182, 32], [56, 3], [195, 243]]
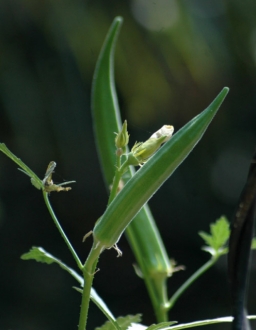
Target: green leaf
[[123, 321], [40, 255], [147, 180], [219, 234]]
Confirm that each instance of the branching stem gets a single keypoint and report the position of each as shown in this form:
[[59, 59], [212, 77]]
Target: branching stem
[[191, 279]]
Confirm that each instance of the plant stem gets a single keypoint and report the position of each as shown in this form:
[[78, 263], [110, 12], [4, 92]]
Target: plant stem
[[158, 295], [119, 172], [61, 231], [88, 272], [191, 279]]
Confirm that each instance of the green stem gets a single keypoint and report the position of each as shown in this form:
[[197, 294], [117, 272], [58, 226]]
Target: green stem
[[88, 272], [158, 294], [191, 279], [119, 172], [62, 233]]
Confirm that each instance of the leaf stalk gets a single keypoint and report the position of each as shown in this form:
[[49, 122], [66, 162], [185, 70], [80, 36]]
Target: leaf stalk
[[61, 231]]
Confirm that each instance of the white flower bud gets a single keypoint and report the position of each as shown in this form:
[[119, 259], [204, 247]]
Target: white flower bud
[[166, 130]]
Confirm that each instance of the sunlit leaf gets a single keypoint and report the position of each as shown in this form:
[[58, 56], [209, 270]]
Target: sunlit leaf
[[219, 234]]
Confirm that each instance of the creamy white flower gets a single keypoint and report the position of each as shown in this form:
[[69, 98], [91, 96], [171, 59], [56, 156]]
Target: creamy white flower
[[142, 151], [166, 130]]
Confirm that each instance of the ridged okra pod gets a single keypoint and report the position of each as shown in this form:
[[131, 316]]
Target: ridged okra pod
[[142, 234], [148, 179]]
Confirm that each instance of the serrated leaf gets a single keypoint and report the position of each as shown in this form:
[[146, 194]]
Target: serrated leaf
[[219, 234], [123, 321], [40, 255]]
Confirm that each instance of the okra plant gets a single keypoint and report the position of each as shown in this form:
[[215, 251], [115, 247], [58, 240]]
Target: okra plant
[[131, 177]]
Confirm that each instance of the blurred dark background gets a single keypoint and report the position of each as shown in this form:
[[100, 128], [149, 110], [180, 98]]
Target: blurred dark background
[[173, 57]]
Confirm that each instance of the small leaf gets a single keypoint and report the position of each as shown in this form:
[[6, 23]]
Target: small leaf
[[219, 234], [40, 255], [123, 322]]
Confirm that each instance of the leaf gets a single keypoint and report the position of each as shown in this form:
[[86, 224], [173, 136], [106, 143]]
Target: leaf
[[123, 321], [40, 255], [219, 234]]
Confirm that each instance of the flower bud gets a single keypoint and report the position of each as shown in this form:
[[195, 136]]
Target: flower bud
[[141, 152], [166, 130], [122, 138]]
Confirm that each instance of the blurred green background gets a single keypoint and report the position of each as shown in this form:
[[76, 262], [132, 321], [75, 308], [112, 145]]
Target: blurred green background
[[172, 58]]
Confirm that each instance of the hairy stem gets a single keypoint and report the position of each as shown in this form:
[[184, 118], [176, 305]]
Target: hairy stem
[[89, 270]]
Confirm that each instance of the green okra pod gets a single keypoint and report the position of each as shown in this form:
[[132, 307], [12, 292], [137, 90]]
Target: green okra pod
[[149, 249], [146, 181], [142, 234]]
